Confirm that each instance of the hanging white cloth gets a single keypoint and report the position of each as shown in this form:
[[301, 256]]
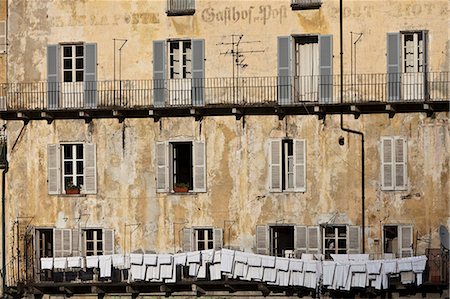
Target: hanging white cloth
[[74, 262], [60, 263], [46, 263], [227, 261], [150, 259], [328, 272], [136, 258], [92, 261], [105, 263], [118, 261]]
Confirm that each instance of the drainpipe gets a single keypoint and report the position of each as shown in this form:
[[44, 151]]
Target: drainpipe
[[5, 170], [350, 130]]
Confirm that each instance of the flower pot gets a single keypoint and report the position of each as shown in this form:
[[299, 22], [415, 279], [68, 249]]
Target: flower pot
[[72, 191], [180, 189]]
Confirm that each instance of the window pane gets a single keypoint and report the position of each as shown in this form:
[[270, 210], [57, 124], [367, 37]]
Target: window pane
[[79, 75], [210, 245], [79, 167], [79, 149], [68, 76], [79, 63], [67, 51], [100, 246], [89, 235], [210, 234], [68, 167], [79, 50], [67, 64], [68, 181], [80, 181], [201, 234], [99, 235], [201, 246]]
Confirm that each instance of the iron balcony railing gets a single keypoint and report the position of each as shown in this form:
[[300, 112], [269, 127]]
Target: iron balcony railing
[[235, 92], [180, 7]]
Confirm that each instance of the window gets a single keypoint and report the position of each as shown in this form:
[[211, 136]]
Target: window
[[73, 63], [287, 240], [340, 239], [44, 238], [3, 37], [179, 72], [287, 165], [393, 164], [72, 168], [180, 7], [202, 238], [180, 163], [93, 242], [398, 240], [305, 4], [305, 68]]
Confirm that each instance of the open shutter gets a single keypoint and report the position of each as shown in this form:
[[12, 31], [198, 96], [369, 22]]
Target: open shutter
[[387, 164], [275, 165], [199, 167], [53, 76], [159, 72], [400, 163], [406, 240], [300, 165], [262, 239], [62, 242], [76, 250], [393, 66], [326, 68], [313, 239], [161, 152], [425, 65], [218, 238], [284, 70], [198, 72], [53, 169], [353, 239], [3, 37], [300, 237], [90, 75], [188, 239], [90, 171], [108, 240]]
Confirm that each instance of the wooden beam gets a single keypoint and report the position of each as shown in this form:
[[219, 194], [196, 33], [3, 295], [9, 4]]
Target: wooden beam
[[264, 290], [198, 290], [391, 110], [356, 111]]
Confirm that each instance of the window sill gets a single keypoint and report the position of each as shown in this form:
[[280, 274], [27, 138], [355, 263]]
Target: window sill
[[180, 12], [72, 195]]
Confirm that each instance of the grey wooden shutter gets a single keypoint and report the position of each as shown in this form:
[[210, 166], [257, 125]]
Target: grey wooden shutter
[[161, 152], [3, 40], [425, 64], [218, 238], [301, 242], [262, 239], [53, 169], [353, 239], [284, 70], [393, 66], [313, 239], [159, 72], [108, 241], [326, 68], [90, 169], [400, 164], [387, 164], [76, 249], [188, 239], [300, 165], [62, 242], [199, 166], [275, 168], [53, 81], [90, 75], [406, 240], [198, 72]]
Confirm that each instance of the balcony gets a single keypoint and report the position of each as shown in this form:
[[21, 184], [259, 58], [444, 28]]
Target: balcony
[[314, 95], [305, 4], [180, 7]]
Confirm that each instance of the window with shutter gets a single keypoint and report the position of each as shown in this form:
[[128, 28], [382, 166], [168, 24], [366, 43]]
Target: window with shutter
[[53, 167], [301, 241], [62, 239], [262, 237], [199, 167], [161, 151], [406, 241], [393, 163], [354, 239], [218, 238], [108, 240], [2, 37], [300, 165], [76, 248], [275, 165], [398, 240], [188, 235], [313, 239]]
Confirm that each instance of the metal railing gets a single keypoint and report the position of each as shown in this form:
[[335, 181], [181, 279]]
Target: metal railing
[[248, 91], [180, 7]]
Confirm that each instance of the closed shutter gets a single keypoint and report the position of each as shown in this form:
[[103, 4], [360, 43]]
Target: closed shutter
[[53, 81], [300, 239], [90, 75], [313, 239], [218, 238], [284, 70], [275, 166], [108, 240], [300, 165], [188, 242], [326, 68], [159, 72], [90, 170], [161, 152], [387, 165], [353, 239], [198, 72], [2, 37], [400, 164], [76, 249], [406, 240], [262, 239], [62, 242], [199, 167], [53, 168], [393, 66]]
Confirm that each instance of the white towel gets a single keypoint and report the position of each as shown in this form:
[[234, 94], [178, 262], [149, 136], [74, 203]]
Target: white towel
[[208, 255], [357, 267], [202, 270], [46, 263], [150, 259], [164, 259], [419, 279], [60, 263], [389, 266], [254, 273], [74, 262], [217, 257], [373, 267], [166, 271], [180, 259], [239, 269], [241, 257], [282, 278], [339, 257], [227, 261], [296, 265], [136, 258], [193, 257], [268, 261], [404, 265], [310, 266], [269, 274], [118, 261], [407, 277], [328, 272], [254, 260], [214, 271], [282, 263], [307, 256], [193, 269], [92, 261], [419, 264], [137, 272], [105, 263], [358, 257]]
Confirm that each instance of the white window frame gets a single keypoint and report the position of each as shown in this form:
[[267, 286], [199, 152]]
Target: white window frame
[[352, 239], [73, 58], [403, 250], [74, 161], [416, 58], [3, 40], [96, 232], [206, 241], [182, 66], [395, 163]]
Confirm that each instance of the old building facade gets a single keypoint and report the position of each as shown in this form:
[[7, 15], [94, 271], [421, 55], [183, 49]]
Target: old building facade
[[112, 106]]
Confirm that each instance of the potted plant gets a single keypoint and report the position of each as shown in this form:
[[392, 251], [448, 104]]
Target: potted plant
[[72, 189], [180, 187]]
